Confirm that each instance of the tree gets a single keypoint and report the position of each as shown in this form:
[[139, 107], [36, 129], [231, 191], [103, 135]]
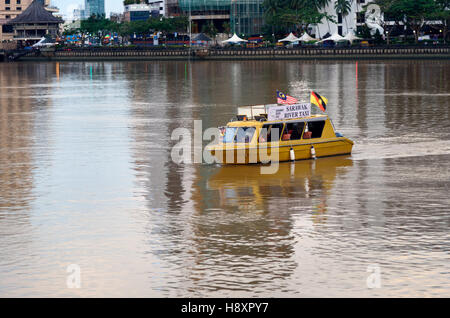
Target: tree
[[272, 10], [210, 29], [319, 5], [343, 7], [412, 13], [128, 2], [226, 27], [283, 15], [442, 13]]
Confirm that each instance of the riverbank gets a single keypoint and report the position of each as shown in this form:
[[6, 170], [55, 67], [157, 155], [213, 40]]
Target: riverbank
[[84, 54]]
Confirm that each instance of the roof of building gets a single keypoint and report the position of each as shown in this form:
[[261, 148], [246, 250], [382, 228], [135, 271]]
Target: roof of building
[[36, 13], [202, 37]]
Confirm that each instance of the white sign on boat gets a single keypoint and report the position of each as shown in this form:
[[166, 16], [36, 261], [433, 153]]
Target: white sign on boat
[[289, 111]]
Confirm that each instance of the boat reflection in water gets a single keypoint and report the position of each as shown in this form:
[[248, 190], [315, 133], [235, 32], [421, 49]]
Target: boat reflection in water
[[305, 183]]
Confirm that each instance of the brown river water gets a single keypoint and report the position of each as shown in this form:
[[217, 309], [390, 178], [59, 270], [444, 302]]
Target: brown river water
[[86, 178]]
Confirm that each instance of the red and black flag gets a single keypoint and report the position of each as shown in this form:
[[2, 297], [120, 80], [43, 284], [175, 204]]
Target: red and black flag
[[319, 101]]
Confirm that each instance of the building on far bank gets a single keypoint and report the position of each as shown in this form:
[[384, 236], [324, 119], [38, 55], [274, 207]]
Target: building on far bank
[[79, 14], [157, 8], [350, 23], [247, 17], [10, 9], [136, 12], [206, 11], [116, 17], [96, 7], [172, 8], [244, 17], [34, 23]]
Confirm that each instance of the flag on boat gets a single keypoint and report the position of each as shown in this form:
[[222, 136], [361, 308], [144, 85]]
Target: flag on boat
[[319, 101], [285, 99]]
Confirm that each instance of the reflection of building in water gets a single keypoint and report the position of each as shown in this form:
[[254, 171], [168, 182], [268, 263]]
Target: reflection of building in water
[[20, 124], [149, 130], [16, 140]]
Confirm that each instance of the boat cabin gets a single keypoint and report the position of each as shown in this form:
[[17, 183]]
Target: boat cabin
[[251, 126]]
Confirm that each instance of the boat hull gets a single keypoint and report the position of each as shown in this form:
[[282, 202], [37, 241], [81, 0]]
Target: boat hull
[[248, 154]]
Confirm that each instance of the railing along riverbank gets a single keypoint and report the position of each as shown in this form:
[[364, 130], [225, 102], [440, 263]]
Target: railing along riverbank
[[240, 53]]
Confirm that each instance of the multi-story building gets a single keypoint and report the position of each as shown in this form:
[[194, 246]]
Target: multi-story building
[[157, 7], [79, 14], [34, 23], [94, 7], [136, 12], [202, 12], [116, 17], [172, 8], [10, 9], [345, 24], [246, 17]]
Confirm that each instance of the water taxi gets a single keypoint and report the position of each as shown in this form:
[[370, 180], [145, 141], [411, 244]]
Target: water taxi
[[268, 133]]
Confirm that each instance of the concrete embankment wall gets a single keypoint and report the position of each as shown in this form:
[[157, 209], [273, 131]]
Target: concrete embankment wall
[[243, 54]]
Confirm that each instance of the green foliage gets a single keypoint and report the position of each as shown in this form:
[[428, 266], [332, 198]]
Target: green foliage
[[127, 2], [378, 38], [343, 7], [210, 29], [413, 13], [96, 24], [363, 32], [293, 14], [226, 27]]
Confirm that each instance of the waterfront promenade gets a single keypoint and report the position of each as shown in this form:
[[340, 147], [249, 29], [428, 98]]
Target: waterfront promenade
[[382, 52]]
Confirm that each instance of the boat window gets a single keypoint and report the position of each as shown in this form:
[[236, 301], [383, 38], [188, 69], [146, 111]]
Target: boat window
[[316, 128], [229, 134], [270, 132], [245, 134], [293, 131]]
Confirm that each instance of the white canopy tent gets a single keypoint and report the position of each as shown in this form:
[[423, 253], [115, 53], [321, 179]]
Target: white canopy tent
[[234, 39], [290, 38], [351, 37], [306, 38], [335, 37]]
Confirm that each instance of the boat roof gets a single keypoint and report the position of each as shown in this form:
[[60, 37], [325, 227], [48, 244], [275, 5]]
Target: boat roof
[[253, 122]]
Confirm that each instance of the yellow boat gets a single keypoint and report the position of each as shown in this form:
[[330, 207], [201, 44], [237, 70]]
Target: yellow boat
[[252, 138]]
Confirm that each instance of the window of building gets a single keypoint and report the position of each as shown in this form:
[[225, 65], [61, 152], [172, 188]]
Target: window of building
[[7, 17], [360, 18], [316, 128], [19, 9], [7, 1], [271, 132], [340, 18], [18, 1], [7, 28], [8, 9], [293, 131]]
